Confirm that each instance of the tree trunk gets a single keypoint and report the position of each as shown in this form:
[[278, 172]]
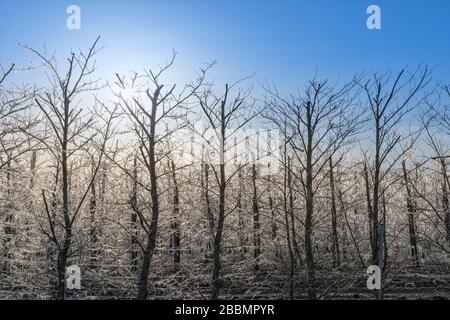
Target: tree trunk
[[378, 228], [411, 205], [288, 229], [271, 209], [369, 210], [134, 218], [217, 245], [295, 245], [309, 209], [256, 229], [335, 238], [209, 214], [64, 249], [31, 206], [152, 232], [93, 231], [240, 228], [175, 225]]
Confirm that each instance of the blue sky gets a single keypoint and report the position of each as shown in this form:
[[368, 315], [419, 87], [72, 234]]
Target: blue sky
[[281, 41]]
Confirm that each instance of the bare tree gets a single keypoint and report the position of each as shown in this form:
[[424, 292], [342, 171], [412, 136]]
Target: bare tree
[[68, 132], [134, 217], [225, 115], [165, 109], [175, 237], [412, 210], [256, 221], [319, 121], [334, 232], [390, 98]]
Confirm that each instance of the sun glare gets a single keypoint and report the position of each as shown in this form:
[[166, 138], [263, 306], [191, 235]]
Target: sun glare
[[128, 93]]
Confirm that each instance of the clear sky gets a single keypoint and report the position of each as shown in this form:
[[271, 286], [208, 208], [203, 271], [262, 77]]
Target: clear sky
[[281, 41]]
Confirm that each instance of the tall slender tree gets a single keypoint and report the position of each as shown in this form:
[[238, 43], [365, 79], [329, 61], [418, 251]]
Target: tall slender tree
[[150, 114], [319, 121], [390, 98], [67, 133]]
